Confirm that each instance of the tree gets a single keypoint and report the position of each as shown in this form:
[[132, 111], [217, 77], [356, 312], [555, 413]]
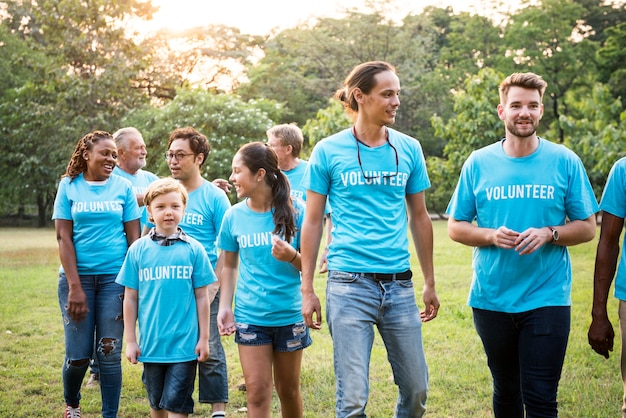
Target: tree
[[304, 67], [213, 57], [328, 121], [83, 76], [611, 58], [550, 40], [475, 125], [597, 133], [227, 121]]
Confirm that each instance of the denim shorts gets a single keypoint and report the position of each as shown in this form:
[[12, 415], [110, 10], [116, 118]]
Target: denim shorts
[[284, 339], [170, 385]]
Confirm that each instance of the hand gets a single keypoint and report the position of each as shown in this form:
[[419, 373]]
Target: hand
[[504, 237], [77, 307], [311, 309], [132, 352], [226, 322], [601, 336], [323, 264], [431, 304], [222, 184], [532, 239], [202, 350], [281, 250]]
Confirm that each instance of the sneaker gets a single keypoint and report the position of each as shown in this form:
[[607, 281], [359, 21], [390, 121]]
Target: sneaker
[[71, 412]]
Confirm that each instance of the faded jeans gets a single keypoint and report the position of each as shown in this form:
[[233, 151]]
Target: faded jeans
[[105, 321], [354, 304], [525, 352], [212, 373]]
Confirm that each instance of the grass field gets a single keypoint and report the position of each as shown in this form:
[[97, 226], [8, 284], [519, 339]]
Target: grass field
[[31, 346]]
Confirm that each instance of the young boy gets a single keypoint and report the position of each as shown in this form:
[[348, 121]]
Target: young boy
[[166, 274]]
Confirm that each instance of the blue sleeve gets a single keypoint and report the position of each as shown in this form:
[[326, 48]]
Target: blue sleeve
[[128, 275], [62, 206], [203, 273], [227, 241], [462, 206], [614, 195], [580, 202], [131, 208]]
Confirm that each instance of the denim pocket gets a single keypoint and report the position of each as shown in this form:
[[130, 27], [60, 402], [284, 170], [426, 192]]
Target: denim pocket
[[406, 284], [342, 277]]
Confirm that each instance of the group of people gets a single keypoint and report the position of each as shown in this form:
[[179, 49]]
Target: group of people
[[195, 268]]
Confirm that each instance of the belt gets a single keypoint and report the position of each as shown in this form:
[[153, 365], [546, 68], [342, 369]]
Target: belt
[[387, 277]]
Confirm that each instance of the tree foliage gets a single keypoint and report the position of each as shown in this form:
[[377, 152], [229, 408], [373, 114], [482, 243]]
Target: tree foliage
[[475, 125], [68, 67], [227, 121]]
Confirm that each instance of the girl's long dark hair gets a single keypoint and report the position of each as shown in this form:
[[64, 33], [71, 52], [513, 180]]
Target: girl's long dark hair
[[257, 155]]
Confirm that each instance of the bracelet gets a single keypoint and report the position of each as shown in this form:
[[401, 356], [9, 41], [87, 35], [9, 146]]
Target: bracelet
[[294, 257]]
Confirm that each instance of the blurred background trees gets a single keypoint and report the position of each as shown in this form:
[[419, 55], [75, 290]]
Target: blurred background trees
[[69, 67]]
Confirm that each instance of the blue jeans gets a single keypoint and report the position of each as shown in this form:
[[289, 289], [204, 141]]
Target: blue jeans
[[105, 321], [525, 353], [212, 373], [354, 304]]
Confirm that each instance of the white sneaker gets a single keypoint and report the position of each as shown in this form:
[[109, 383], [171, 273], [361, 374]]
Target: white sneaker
[[71, 412]]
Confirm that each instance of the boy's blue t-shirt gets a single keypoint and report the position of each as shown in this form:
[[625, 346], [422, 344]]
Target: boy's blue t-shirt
[[268, 290], [165, 278], [542, 189], [140, 181], [369, 216], [98, 213], [614, 202]]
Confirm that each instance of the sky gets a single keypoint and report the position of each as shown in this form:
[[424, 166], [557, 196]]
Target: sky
[[259, 17]]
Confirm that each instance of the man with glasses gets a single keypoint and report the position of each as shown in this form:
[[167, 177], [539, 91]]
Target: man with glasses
[[374, 178], [187, 151]]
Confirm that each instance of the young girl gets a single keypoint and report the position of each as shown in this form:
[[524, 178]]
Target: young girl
[[263, 232]]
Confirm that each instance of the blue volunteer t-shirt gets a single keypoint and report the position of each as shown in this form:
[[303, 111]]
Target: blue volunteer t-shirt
[[165, 278], [295, 180], [369, 215], [205, 210], [538, 190], [140, 181], [614, 202], [98, 212], [268, 290]]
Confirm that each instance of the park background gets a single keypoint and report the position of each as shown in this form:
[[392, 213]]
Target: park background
[[31, 345], [68, 67]]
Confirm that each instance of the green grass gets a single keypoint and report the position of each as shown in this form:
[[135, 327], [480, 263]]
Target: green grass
[[31, 345]]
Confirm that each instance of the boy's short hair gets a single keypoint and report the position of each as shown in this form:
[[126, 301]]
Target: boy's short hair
[[164, 186]]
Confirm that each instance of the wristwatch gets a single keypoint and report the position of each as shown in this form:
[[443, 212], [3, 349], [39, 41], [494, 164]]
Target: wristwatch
[[555, 234]]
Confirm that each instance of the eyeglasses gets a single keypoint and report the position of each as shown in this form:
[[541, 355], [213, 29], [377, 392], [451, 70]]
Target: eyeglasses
[[358, 153], [178, 156]]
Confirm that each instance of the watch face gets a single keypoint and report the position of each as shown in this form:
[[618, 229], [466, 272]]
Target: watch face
[[555, 235]]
